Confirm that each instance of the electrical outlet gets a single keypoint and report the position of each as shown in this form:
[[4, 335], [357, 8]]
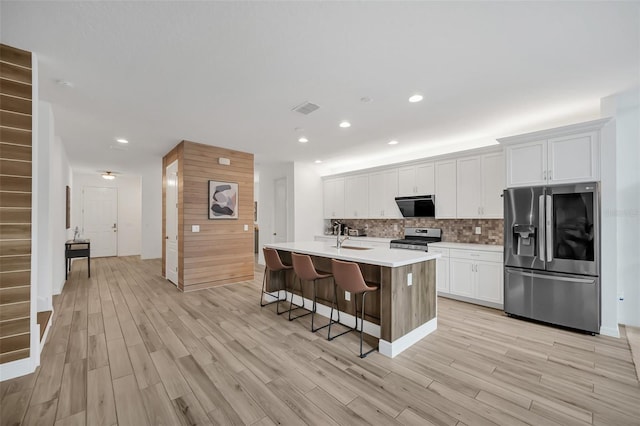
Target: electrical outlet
[[246, 227], [395, 226], [409, 279], [195, 228], [347, 296], [478, 230]]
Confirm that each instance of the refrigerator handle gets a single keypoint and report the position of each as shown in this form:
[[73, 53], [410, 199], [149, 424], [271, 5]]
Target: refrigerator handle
[[541, 228], [549, 230]]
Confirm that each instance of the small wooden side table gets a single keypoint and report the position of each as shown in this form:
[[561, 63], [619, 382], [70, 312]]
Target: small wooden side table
[[76, 248]]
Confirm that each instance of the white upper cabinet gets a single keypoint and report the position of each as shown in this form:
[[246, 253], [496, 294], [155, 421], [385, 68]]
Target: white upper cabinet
[[416, 180], [333, 197], [445, 191], [383, 188], [567, 154], [527, 164], [469, 188], [479, 187], [573, 158], [493, 185], [356, 197]]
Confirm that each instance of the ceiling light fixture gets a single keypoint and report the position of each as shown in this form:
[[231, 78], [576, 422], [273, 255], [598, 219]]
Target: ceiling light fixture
[[303, 140], [108, 176], [122, 140], [64, 83], [394, 142], [415, 98], [318, 161], [345, 124]]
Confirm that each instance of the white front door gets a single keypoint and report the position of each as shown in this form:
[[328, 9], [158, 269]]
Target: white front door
[[100, 220], [280, 210], [171, 226]]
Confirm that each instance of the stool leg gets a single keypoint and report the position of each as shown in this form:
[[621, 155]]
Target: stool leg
[[315, 306], [291, 304], [362, 329]]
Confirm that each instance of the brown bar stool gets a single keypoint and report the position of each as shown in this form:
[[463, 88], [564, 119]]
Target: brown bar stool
[[348, 277], [304, 269], [273, 264]]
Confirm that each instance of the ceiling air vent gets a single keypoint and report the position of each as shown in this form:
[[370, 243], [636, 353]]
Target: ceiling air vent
[[305, 108]]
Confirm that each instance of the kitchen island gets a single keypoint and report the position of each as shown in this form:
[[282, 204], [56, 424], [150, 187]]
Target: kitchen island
[[399, 314]]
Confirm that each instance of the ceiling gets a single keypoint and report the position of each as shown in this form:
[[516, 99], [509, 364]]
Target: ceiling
[[229, 73]]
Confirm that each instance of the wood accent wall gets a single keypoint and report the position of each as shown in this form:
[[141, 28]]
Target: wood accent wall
[[222, 252], [15, 202]]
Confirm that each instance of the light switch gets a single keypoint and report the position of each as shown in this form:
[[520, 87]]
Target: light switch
[[246, 227], [478, 230], [409, 279], [195, 228]]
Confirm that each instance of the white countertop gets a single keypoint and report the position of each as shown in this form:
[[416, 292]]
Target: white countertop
[[468, 246], [375, 256], [373, 239]]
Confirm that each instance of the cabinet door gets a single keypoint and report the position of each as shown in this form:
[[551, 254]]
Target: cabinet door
[[492, 185], [407, 181], [446, 189], [573, 158], [383, 188], [461, 277], [526, 164], [468, 188], [333, 198], [356, 196], [442, 275], [489, 282], [425, 179]]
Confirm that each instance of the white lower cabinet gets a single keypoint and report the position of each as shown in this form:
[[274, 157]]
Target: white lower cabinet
[[442, 269], [473, 275]]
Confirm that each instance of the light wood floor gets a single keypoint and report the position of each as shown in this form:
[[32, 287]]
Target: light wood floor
[[127, 348]]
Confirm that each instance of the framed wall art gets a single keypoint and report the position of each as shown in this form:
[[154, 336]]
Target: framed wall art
[[223, 200]]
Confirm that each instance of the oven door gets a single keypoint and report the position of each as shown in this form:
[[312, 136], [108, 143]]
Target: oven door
[[573, 229]]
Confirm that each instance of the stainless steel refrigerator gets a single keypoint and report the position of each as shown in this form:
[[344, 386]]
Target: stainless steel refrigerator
[[552, 254]]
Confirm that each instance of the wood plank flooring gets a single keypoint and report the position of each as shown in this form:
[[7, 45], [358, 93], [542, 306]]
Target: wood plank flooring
[[127, 348]]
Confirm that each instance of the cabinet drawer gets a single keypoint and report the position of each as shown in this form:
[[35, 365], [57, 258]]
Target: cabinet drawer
[[487, 256], [443, 251]]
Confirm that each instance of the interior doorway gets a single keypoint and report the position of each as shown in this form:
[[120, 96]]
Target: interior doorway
[[100, 220], [171, 225]]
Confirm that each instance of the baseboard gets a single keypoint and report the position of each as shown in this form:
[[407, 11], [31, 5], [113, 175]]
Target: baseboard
[[392, 349], [610, 331]]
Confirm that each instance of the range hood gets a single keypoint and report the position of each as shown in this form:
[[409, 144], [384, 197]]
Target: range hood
[[417, 206]]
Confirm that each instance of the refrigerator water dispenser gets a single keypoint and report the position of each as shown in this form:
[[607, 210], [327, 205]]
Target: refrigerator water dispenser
[[525, 237]]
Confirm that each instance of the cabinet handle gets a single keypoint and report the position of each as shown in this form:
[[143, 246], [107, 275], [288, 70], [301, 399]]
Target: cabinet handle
[[544, 175], [550, 178]]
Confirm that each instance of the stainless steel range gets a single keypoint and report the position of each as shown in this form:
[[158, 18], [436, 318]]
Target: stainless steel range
[[418, 238]]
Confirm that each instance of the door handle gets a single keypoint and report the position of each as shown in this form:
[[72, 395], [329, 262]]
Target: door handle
[[550, 226]]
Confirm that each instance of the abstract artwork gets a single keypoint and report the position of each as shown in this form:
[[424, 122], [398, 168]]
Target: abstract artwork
[[223, 200]]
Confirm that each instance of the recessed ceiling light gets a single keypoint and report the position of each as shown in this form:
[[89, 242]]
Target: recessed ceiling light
[[365, 99], [303, 140], [318, 161], [345, 124], [122, 140], [415, 98], [394, 142]]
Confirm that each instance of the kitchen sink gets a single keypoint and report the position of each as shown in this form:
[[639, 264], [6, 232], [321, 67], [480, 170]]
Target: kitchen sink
[[354, 248]]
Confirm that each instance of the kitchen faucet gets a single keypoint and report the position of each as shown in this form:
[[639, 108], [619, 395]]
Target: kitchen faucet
[[340, 241]]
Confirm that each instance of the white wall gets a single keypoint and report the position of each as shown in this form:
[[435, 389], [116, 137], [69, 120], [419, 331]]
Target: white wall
[[267, 174], [307, 193], [151, 244], [43, 234], [625, 107], [61, 178], [129, 207]]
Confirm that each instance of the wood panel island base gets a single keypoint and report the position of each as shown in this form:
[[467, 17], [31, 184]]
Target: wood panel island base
[[399, 314]]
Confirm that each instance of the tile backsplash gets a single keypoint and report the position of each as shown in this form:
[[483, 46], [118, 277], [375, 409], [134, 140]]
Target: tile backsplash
[[453, 230]]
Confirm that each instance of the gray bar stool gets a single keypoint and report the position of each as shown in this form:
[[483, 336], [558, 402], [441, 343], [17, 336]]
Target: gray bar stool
[[273, 264], [348, 276], [304, 269]]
